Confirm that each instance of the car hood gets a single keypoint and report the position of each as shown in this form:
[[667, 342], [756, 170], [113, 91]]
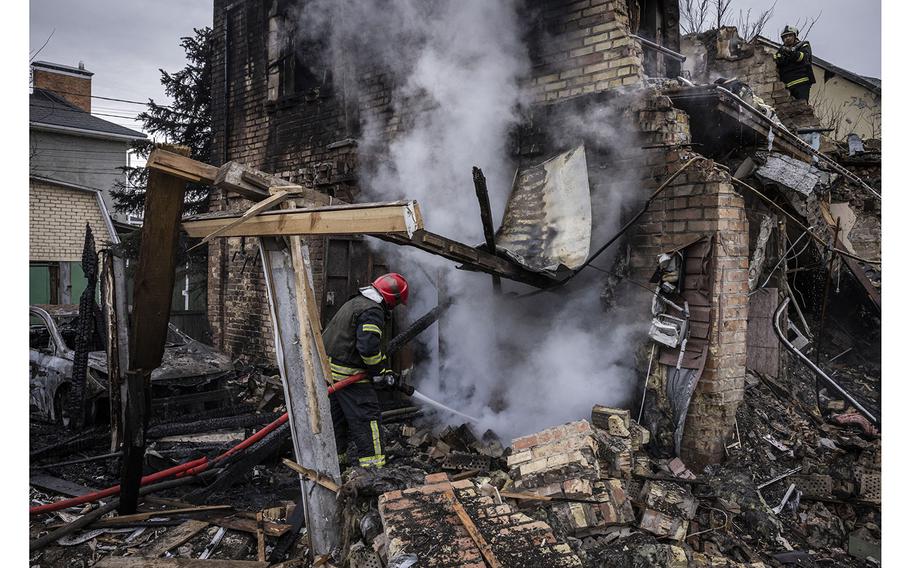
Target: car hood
[[192, 362]]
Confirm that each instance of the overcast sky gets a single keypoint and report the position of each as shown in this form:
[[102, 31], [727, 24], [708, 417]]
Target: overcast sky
[[125, 42]]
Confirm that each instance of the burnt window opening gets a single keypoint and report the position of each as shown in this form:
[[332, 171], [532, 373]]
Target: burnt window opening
[[657, 21], [297, 68]]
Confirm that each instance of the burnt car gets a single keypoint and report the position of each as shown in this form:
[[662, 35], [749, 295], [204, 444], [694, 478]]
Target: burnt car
[[192, 376]]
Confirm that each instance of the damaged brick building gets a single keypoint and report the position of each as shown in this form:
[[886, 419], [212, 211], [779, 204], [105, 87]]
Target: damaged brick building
[[292, 114]]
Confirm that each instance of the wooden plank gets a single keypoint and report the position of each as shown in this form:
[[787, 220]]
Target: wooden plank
[[152, 295], [247, 182], [854, 266], [312, 475], [762, 345], [306, 335], [472, 529], [175, 538], [180, 165], [275, 199], [112, 327], [121, 519], [313, 450], [260, 538], [486, 218], [57, 485], [344, 220], [272, 529], [140, 562], [472, 258]]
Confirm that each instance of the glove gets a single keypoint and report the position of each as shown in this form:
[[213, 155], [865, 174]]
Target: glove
[[386, 380]]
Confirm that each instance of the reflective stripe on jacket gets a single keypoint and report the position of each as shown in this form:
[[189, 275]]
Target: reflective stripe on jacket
[[356, 338], [795, 67]]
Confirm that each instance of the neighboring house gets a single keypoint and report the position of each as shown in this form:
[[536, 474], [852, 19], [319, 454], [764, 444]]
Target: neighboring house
[[57, 215], [842, 100], [75, 160], [66, 142]]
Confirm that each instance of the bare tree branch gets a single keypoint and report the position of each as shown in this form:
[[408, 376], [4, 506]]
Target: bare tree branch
[[721, 7], [808, 24], [750, 29], [693, 14]]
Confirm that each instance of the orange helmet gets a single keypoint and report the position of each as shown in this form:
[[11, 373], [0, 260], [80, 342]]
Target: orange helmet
[[393, 288]]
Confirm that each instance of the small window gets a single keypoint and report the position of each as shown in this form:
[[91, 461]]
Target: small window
[[296, 66]]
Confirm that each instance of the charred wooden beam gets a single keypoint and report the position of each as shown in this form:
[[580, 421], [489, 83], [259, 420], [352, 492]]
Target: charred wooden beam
[[242, 421], [152, 294], [486, 218], [415, 329], [472, 258], [112, 326]]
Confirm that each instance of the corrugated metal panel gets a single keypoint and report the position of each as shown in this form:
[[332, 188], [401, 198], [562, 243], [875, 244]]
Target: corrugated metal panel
[[547, 222]]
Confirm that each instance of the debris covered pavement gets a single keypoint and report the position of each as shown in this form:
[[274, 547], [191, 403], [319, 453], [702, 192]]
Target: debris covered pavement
[[587, 493], [725, 351]]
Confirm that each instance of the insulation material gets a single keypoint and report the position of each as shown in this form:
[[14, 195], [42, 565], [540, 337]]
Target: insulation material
[[547, 221], [680, 387]]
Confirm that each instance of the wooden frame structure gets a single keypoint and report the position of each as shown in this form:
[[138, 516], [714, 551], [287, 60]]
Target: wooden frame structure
[[298, 335]]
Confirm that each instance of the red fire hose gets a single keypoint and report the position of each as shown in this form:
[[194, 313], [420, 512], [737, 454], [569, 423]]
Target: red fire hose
[[193, 467]]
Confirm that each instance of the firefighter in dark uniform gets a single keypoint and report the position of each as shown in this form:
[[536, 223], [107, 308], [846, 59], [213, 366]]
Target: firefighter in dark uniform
[[356, 340], [794, 64]]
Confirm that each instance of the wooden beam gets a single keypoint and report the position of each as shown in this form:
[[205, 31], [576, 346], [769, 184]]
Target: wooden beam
[[472, 258], [254, 184], [400, 217], [175, 538], [313, 475], [275, 199], [473, 531], [180, 165], [313, 450], [111, 327], [140, 562], [122, 519], [152, 295], [306, 334], [486, 218], [853, 265]]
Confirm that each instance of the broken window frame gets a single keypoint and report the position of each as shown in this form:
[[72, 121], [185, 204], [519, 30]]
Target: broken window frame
[[291, 75]]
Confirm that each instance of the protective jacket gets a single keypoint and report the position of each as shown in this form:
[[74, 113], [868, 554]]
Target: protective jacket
[[355, 341], [357, 337], [795, 66]]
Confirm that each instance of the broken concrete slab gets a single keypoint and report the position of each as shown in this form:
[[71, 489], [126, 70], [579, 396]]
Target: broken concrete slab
[[791, 173]]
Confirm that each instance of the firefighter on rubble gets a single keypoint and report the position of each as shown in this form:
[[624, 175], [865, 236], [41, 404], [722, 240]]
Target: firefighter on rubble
[[794, 64], [355, 341]]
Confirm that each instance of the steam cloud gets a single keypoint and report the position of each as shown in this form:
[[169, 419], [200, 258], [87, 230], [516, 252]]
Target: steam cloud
[[520, 365]]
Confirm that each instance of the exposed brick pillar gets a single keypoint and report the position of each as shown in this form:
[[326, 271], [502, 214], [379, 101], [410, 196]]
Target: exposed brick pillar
[[720, 389], [74, 84], [700, 202]]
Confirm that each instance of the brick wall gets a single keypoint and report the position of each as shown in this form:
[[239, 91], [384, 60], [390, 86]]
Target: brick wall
[[712, 55], [56, 218], [582, 47]]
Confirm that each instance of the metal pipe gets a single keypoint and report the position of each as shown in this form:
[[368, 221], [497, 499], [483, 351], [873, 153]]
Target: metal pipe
[[657, 47], [808, 362]]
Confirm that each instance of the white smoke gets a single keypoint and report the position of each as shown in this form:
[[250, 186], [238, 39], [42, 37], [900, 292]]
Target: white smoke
[[519, 364]]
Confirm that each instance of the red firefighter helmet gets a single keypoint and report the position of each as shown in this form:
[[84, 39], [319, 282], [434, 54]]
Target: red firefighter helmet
[[393, 288]]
